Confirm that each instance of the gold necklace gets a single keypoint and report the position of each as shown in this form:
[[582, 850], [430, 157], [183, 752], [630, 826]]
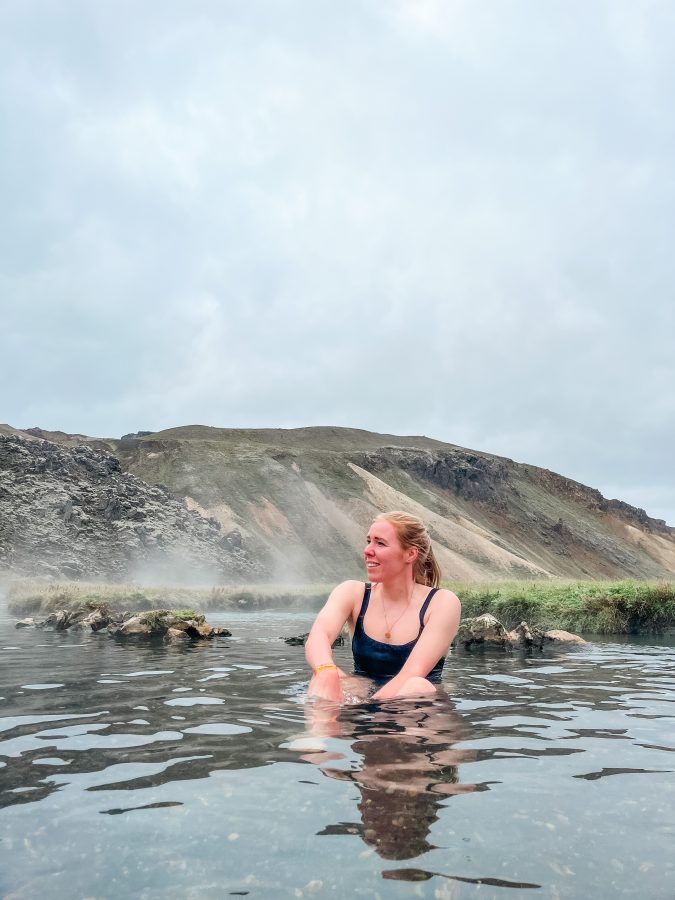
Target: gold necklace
[[389, 630]]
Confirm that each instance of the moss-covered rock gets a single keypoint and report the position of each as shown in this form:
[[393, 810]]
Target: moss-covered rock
[[149, 623]]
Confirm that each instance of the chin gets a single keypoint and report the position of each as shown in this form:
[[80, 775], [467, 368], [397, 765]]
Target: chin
[[374, 574]]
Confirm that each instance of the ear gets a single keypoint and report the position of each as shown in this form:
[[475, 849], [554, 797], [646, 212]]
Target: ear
[[413, 553]]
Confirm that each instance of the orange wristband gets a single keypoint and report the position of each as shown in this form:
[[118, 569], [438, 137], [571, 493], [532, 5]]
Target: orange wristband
[[326, 666]]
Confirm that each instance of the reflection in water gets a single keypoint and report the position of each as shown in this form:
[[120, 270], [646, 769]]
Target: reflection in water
[[213, 796], [423, 875], [407, 766]]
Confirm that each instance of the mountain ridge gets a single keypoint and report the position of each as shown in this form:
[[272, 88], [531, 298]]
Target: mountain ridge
[[298, 502]]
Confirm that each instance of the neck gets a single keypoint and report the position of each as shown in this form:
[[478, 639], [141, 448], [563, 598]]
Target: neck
[[397, 590]]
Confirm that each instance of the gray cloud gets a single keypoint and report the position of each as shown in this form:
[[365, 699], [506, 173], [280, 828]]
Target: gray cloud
[[417, 216]]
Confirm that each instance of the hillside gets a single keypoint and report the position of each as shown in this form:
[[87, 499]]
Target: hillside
[[298, 502], [73, 512]]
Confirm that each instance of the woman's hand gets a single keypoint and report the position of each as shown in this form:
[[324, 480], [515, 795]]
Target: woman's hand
[[339, 607], [439, 630], [326, 685]]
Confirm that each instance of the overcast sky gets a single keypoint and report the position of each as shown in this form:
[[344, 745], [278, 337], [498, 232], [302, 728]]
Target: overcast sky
[[411, 216]]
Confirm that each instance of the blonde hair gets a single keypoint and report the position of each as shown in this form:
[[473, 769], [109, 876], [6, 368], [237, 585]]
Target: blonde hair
[[412, 532]]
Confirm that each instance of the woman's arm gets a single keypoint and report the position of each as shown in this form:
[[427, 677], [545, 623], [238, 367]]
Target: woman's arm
[[434, 643], [318, 647]]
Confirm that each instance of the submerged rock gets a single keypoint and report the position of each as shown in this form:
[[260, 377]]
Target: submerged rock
[[300, 639]]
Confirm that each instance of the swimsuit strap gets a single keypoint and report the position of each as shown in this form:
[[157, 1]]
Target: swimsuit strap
[[425, 607], [364, 603]]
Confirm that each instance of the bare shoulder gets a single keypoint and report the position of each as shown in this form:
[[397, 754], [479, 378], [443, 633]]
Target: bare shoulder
[[445, 604], [346, 595], [350, 585], [341, 606], [348, 589]]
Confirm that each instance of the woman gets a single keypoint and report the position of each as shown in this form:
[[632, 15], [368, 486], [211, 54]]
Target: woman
[[402, 625]]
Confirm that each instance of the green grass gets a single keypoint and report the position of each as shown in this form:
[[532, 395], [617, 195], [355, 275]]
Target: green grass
[[593, 607]]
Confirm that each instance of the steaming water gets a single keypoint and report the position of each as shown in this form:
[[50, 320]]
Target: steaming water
[[154, 771]]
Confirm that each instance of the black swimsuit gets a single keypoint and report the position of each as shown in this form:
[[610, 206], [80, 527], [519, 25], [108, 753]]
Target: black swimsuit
[[379, 660]]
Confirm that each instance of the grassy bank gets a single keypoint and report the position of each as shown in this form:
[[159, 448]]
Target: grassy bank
[[34, 598], [592, 607]]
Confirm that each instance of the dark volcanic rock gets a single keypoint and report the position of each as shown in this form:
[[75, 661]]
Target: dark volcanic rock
[[136, 435], [74, 513], [471, 476], [300, 639]]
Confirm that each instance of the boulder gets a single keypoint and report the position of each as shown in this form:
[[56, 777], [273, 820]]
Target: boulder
[[204, 631], [488, 632], [527, 637], [96, 620], [171, 625], [157, 623], [60, 620], [134, 626], [485, 630], [176, 635], [557, 636]]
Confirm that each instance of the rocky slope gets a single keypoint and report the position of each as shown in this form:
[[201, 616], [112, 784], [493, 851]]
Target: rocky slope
[[298, 502], [75, 513]]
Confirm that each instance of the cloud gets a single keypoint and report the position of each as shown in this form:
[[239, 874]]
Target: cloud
[[413, 217]]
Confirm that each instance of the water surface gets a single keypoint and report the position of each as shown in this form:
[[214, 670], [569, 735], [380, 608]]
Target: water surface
[[201, 771]]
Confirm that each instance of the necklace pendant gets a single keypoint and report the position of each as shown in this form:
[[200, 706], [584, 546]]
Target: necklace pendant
[[387, 634]]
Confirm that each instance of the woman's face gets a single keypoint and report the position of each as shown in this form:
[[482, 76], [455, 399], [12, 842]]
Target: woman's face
[[383, 554]]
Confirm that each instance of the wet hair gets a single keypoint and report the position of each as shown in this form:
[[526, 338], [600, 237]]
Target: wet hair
[[412, 532]]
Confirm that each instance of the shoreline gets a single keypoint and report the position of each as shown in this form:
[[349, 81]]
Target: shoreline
[[592, 607]]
